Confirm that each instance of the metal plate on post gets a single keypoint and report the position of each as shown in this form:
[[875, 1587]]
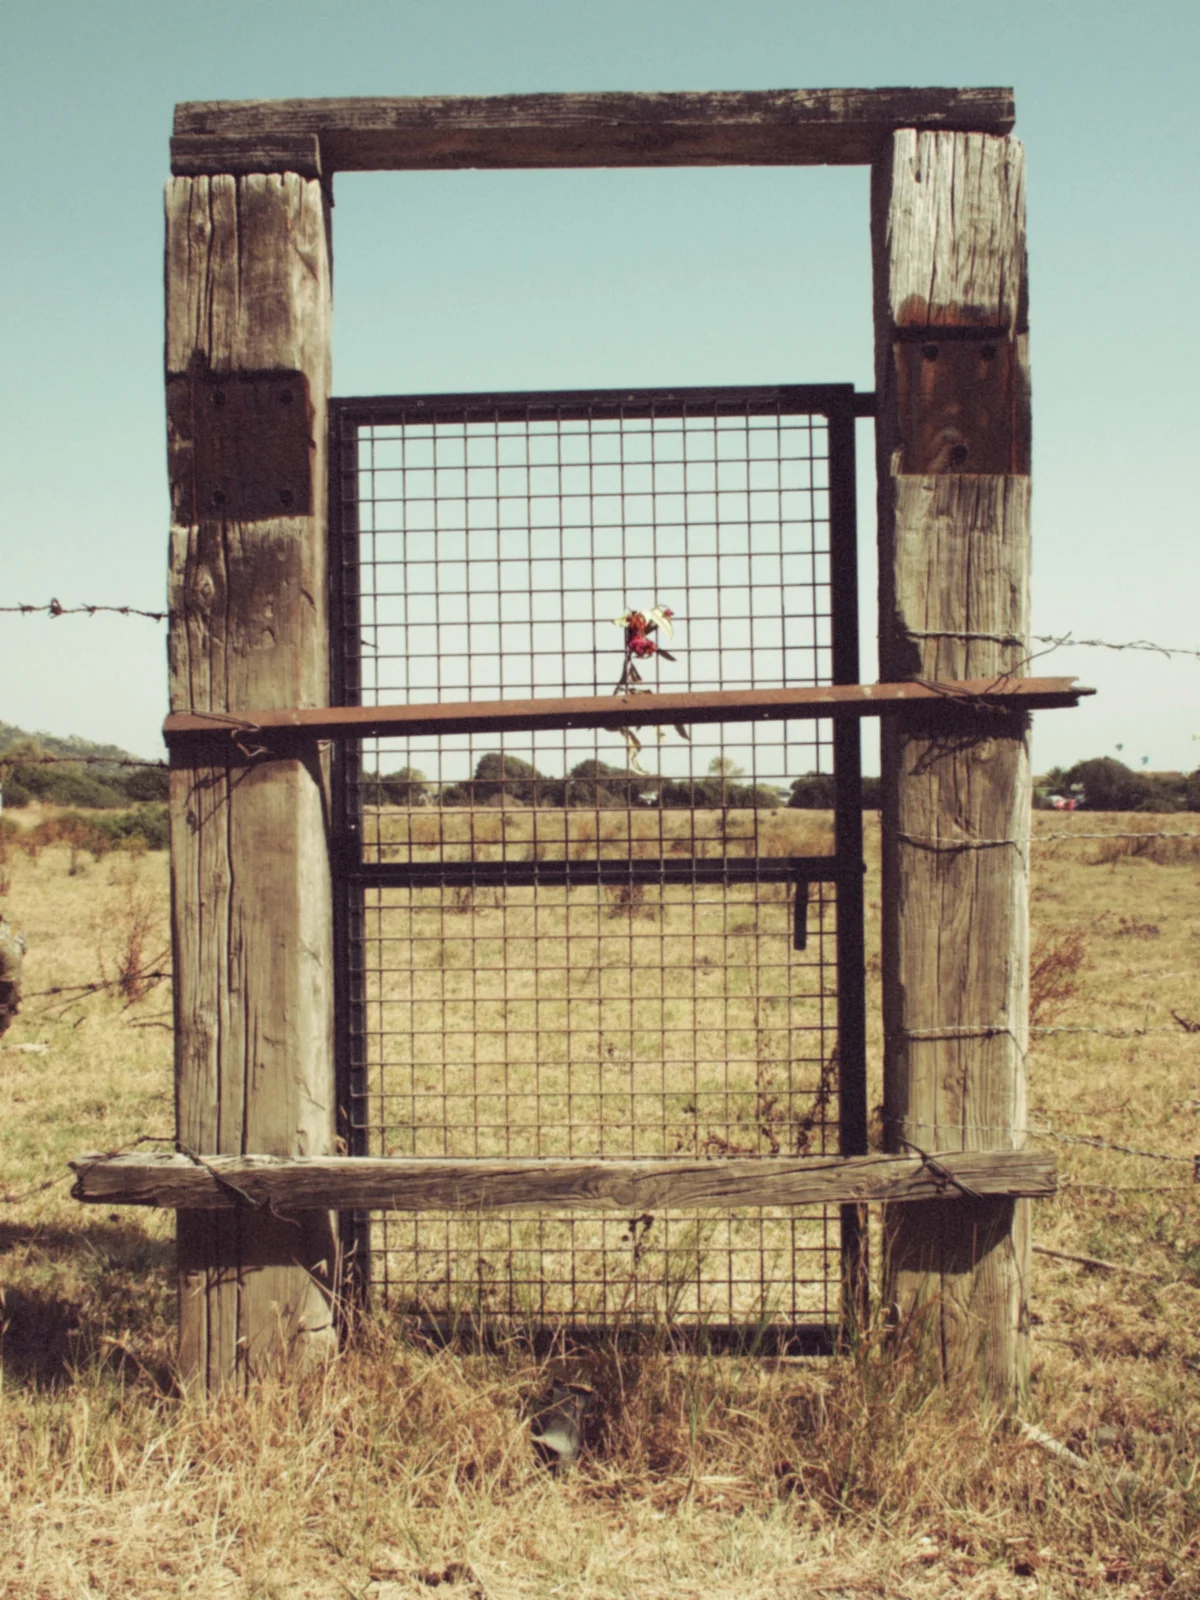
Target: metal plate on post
[[958, 404], [251, 437]]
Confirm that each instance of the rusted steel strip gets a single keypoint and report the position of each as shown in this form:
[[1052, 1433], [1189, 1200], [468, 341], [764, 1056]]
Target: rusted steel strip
[[605, 711]]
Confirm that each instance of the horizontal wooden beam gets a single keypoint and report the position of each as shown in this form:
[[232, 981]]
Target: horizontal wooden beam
[[775, 127], [195, 155], [226, 1183], [607, 711]]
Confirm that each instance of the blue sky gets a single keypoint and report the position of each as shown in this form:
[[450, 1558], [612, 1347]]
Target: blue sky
[[522, 280]]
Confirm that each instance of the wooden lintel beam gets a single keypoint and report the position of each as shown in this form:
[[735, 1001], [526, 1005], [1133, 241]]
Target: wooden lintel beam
[[607, 711], [199, 154], [776, 127], [227, 1183]]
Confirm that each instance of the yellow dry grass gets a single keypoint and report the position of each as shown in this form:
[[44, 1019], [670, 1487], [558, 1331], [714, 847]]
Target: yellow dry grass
[[400, 1470]]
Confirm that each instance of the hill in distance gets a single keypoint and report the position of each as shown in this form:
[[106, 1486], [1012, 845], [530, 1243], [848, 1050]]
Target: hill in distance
[[71, 748]]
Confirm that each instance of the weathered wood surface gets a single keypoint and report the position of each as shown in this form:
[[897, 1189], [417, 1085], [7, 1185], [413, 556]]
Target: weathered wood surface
[[248, 290], [593, 711], [759, 128], [197, 154], [226, 1183], [948, 227]]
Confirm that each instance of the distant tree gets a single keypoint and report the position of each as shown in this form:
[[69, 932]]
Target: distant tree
[[1193, 791], [146, 783], [507, 780], [408, 787], [1109, 785], [815, 791], [596, 784], [725, 767], [715, 794]]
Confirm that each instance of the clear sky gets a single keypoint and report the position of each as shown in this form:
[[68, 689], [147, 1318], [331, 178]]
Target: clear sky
[[528, 280]]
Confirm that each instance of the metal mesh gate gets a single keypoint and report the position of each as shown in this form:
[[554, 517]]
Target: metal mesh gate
[[605, 942]]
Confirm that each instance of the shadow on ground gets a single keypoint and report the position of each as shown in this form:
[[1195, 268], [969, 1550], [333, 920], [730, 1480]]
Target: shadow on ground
[[72, 1297]]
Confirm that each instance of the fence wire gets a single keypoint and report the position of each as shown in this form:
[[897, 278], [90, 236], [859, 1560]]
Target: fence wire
[[573, 942]]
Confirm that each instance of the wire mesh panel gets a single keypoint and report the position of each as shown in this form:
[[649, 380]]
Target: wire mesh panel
[[605, 943]]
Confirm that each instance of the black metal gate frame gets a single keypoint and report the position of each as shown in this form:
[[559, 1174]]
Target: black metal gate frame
[[840, 405]]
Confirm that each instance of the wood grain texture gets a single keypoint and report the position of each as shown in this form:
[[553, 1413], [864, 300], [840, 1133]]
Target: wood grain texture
[[226, 1183], [765, 127], [248, 290], [949, 250], [197, 154]]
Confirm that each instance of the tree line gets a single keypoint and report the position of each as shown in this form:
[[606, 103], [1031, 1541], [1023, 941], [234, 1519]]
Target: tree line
[[1099, 784], [500, 780], [1105, 784], [26, 777]]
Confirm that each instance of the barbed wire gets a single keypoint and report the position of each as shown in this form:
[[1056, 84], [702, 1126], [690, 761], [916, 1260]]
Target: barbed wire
[[1037, 838], [1061, 641], [1114, 1033], [11, 758], [9, 1199], [1091, 1141], [56, 609]]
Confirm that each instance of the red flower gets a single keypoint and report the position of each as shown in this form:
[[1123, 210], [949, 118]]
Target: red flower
[[639, 645]]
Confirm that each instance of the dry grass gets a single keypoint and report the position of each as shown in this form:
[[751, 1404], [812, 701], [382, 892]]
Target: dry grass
[[402, 1471]]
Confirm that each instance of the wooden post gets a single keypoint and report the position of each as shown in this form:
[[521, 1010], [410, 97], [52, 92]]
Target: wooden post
[[247, 366], [948, 225]]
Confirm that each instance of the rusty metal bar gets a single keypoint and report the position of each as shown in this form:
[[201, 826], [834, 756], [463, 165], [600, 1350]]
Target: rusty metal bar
[[600, 711]]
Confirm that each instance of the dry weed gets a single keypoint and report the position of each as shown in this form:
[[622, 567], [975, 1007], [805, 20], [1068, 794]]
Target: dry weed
[[1054, 964], [704, 1475]]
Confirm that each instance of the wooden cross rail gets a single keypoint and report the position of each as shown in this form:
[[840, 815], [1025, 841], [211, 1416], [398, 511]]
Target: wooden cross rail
[[774, 127], [227, 1183], [609, 711]]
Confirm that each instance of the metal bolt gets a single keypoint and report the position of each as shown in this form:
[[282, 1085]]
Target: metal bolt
[[219, 497], [218, 397], [930, 352], [988, 352], [285, 497], [958, 455], [286, 397]]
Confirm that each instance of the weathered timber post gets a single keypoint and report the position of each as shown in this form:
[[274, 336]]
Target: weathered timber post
[[248, 367], [948, 225]]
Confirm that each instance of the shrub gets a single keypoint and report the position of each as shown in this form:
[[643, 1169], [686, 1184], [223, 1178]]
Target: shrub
[[596, 784], [148, 826], [816, 791], [1054, 965], [1109, 785], [718, 794], [145, 828], [507, 780], [146, 783], [405, 788]]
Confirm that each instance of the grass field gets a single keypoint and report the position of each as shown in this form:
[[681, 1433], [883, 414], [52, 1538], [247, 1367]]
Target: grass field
[[399, 1470]]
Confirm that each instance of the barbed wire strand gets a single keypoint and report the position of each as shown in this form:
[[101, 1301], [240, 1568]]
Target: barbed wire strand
[[1054, 641], [1092, 1141], [55, 609], [9, 759], [923, 841], [9, 1199]]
